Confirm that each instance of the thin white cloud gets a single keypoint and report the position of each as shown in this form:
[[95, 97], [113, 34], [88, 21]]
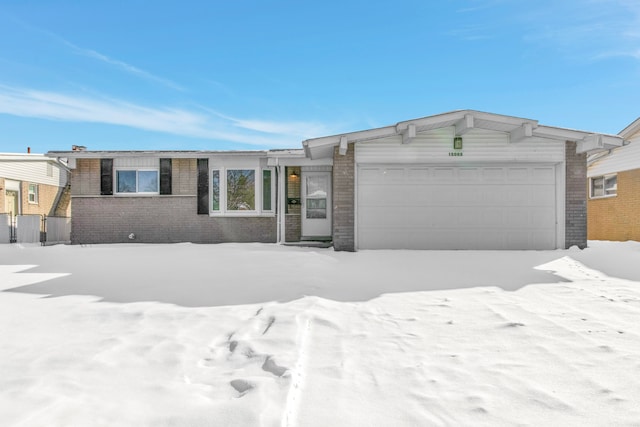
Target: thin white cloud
[[128, 68], [123, 66], [596, 30], [58, 106], [303, 130]]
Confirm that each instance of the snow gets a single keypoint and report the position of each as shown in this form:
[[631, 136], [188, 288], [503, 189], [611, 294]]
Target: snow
[[268, 335]]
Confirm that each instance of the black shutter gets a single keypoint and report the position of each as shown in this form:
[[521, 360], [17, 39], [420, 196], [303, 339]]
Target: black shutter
[[203, 186], [165, 176], [106, 177]]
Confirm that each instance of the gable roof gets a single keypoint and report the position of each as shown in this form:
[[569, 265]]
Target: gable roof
[[628, 132], [622, 158], [464, 120]]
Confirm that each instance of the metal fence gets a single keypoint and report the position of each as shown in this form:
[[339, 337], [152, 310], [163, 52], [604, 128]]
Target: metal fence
[[34, 229]]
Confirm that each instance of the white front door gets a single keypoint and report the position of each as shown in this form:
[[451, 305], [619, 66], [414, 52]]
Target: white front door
[[316, 204]]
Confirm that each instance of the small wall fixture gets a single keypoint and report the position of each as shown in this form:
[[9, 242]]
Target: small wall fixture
[[457, 143], [294, 174]]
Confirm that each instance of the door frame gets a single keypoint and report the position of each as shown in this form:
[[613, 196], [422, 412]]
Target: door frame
[[312, 226]]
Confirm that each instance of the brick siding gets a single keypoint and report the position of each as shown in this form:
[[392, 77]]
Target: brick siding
[[617, 218], [293, 227], [184, 176], [85, 178], [47, 197], [293, 218], [160, 219], [155, 219], [575, 197], [344, 200]]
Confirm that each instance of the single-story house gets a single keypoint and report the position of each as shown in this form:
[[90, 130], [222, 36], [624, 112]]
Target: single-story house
[[458, 180], [614, 190]]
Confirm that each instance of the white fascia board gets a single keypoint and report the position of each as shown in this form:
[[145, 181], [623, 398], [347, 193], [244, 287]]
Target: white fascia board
[[630, 130], [158, 154], [322, 147], [560, 133], [597, 142], [299, 161], [432, 122]]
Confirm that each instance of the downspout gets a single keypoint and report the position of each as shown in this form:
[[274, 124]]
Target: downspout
[[278, 207], [280, 203]]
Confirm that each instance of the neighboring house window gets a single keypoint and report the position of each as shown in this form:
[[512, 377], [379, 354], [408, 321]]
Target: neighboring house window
[[140, 181], [242, 191], [33, 193], [604, 186]]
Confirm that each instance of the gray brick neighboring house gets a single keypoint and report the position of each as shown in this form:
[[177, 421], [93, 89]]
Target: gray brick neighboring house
[[458, 180]]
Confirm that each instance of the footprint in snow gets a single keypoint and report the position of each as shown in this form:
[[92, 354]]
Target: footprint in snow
[[513, 325], [241, 386], [270, 366]]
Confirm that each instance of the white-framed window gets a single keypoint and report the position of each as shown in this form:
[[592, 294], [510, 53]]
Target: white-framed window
[[242, 191], [137, 181], [33, 193], [604, 186]]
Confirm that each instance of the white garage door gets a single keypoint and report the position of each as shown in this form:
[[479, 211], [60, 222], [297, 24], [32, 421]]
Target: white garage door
[[442, 207]]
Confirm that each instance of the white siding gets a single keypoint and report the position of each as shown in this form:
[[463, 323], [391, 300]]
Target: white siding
[[478, 146], [136, 162], [32, 171], [621, 159]]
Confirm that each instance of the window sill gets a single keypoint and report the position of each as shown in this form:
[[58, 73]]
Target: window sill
[[136, 194], [242, 215], [602, 197]]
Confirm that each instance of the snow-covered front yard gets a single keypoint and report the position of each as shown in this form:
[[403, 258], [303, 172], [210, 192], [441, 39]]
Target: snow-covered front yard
[[266, 335]]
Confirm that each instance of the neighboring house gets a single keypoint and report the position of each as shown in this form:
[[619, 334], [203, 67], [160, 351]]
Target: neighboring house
[[614, 190], [33, 184], [459, 180]]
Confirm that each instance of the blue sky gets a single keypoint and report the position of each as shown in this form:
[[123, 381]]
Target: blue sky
[[243, 75]]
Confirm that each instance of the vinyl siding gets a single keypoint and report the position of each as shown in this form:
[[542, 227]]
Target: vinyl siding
[[478, 146], [33, 171], [621, 159]]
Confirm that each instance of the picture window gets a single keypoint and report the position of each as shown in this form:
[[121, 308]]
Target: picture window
[[137, 181]]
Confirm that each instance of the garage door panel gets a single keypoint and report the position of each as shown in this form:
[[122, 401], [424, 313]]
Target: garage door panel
[[419, 174], [469, 175], [518, 175], [544, 196], [450, 207], [383, 194], [544, 240], [441, 174], [492, 217], [541, 218], [544, 175], [382, 216]]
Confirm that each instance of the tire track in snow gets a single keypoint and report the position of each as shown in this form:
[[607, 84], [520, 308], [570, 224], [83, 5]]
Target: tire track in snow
[[298, 375]]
